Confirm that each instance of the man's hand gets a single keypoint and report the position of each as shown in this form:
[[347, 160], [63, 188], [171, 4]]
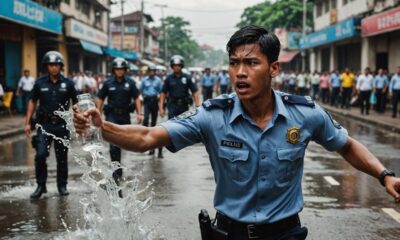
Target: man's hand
[[392, 185], [139, 118], [27, 130], [162, 112], [82, 121]]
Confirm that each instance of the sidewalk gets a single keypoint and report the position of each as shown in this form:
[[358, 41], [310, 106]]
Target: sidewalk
[[384, 121], [10, 126]]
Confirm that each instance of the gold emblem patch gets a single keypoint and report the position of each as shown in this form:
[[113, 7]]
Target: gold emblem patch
[[293, 135]]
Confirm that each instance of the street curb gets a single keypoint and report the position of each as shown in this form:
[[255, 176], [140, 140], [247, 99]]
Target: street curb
[[11, 132], [387, 126]]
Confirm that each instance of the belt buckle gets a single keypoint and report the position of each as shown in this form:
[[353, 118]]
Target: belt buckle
[[251, 231]]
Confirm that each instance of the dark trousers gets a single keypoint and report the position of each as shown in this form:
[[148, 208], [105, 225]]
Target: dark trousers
[[315, 89], [364, 101], [324, 95], [302, 91], [43, 150], [25, 100], [115, 152], [346, 97], [224, 89], [335, 96], [292, 88], [395, 100], [207, 93], [150, 109], [380, 100], [175, 110]]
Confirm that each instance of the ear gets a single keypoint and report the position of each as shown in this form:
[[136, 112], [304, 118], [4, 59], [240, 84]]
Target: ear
[[274, 69]]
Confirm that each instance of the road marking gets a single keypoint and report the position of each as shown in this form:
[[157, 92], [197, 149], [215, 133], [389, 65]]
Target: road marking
[[393, 213], [331, 181]]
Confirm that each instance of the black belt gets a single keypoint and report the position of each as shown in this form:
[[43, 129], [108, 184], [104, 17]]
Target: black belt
[[257, 231], [49, 118]]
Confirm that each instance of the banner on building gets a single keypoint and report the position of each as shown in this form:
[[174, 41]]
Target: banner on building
[[81, 31], [380, 23]]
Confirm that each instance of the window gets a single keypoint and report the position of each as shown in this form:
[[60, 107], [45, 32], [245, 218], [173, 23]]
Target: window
[[333, 4], [85, 8], [326, 6], [319, 9]]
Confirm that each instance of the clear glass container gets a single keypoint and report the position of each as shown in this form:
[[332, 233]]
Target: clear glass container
[[92, 137]]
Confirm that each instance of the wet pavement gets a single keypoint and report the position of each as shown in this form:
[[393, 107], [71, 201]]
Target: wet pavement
[[349, 207]]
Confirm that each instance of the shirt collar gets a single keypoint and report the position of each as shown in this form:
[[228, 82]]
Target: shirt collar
[[60, 78], [280, 107], [123, 79]]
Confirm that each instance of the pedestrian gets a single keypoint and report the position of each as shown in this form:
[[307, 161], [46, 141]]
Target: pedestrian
[[335, 88], [380, 85], [176, 87], [364, 88], [301, 84], [256, 140], [315, 78], [308, 79], [324, 86], [394, 91], [292, 82], [223, 82], [150, 87], [347, 79], [207, 84], [54, 92], [122, 99], [24, 89]]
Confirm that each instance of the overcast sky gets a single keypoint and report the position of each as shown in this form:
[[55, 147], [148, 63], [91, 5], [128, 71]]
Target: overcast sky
[[212, 21]]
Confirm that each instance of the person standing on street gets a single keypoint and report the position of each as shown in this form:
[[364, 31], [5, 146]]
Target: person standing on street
[[122, 99], [150, 88], [301, 84], [394, 91], [324, 85], [315, 85], [347, 79], [25, 86], [176, 87], [256, 141], [207, 84], [364, 88], [223, 82], [380, 85], [335, 88], [54, 92]]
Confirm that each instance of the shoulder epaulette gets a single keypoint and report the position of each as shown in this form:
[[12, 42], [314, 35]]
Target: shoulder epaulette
[[221, 102], [302, 100]]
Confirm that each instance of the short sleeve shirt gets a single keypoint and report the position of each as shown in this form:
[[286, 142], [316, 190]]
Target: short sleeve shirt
[[178, 86], [258, 172], [119, 94]]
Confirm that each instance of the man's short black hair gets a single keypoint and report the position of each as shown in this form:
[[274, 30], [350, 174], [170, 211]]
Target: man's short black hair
[[268, 42]]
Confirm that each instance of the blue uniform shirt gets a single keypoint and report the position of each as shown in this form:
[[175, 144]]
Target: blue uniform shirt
[[223, 79], [53, 96], [120, 94], [335, 80], [395, 83], [178, 86], [258, 172], [380, 81], [151, 87], [207, 80]]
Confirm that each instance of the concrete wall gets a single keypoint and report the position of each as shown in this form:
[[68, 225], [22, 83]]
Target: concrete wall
[[29, 51], [394, 51]]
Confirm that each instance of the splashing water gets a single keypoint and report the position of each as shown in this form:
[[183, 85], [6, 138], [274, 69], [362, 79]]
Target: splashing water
[[107, 215]]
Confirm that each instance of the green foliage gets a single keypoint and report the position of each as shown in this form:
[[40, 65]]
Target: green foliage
[[286, 14]]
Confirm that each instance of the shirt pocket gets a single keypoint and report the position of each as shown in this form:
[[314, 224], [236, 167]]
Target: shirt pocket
[[290, 163], [236, 162]]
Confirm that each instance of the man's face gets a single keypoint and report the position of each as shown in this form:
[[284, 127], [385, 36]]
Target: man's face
[[177, 68], [366, 71], [250, 72], [119, 72], [53, 69], [26, 73], [380, 71], [152, 73]]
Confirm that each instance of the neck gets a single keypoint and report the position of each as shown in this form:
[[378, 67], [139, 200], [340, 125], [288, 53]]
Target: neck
[[260, 109], [53, 78], [178, 74], [119, 79]]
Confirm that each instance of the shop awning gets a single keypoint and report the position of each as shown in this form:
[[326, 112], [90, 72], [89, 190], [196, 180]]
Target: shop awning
[[147, 62], [133, 67], [118, 53], [287, 56], [91, 47]]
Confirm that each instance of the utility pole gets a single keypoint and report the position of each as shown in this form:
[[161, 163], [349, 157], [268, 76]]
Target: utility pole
[[142, 29], [122, 24], [303, 53], [162, 6]]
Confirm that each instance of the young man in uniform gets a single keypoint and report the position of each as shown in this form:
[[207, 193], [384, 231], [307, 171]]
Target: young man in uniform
[[54, 92], [256, 140], [122, 99], [207, 84]]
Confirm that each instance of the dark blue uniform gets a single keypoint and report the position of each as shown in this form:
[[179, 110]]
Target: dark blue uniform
[[120, 96], [52, 97], [179, 98]]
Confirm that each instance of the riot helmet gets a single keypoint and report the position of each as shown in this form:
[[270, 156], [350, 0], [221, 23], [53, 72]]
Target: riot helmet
[[120, 63], [152, 67], [177, 60], [53, 57]]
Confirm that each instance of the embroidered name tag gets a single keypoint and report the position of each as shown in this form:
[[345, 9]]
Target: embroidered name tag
[[231, 144], [44, 89]]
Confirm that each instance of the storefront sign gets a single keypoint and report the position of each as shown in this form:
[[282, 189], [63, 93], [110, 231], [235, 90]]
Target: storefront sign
[[380, 23], [31, 14], [339, 31], [76, 29], [124, 54], [294, 40]]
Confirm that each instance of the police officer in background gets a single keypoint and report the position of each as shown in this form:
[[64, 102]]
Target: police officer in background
[[207, 84], [223, 82], [256, 140], [176, 87], [150, 88], [54, 92], [122, 99]]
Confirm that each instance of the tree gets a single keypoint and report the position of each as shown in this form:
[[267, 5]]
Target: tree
[[179, 40], [286, 14]]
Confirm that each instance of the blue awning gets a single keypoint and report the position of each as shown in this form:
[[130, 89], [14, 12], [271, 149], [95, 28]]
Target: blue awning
[[118, 53], [91, 47]]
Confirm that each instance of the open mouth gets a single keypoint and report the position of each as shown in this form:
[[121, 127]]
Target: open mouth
[[242, 85]]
